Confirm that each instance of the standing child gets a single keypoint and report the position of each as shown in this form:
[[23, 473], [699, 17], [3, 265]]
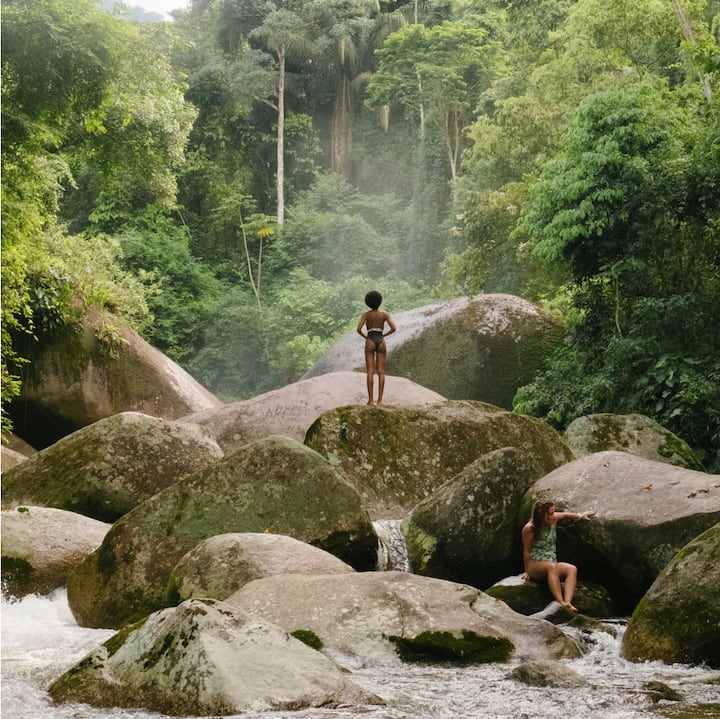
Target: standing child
[[374, 321]]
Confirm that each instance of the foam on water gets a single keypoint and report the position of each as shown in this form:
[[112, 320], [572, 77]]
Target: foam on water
[[40, 640]]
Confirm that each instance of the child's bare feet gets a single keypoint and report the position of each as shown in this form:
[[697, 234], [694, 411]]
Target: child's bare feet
[[370, 403], [570, 607]]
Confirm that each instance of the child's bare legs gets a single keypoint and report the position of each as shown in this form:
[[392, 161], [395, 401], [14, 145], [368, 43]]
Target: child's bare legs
[[569, 573], [380, 364], [370, 367], [554, 574]]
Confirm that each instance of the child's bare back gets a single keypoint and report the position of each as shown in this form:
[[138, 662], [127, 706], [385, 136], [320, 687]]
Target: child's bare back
[[374, 319], [373, 323]]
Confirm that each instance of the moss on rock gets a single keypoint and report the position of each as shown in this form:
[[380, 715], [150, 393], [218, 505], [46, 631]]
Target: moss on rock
[[529, 598], [678, 619], [397, 455], [632, 433], [467, 648], [105, 470], [307, 636], [274, 484]]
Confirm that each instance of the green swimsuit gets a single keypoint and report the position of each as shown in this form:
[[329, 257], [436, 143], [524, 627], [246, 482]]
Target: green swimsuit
[[544, 547]]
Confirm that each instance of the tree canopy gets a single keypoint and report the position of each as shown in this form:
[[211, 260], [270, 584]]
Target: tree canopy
[[233, 182]]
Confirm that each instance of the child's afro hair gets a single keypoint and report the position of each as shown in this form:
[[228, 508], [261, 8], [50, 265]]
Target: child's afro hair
[[373, 299]]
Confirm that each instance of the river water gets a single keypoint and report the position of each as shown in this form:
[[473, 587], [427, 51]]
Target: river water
[[40, 640]]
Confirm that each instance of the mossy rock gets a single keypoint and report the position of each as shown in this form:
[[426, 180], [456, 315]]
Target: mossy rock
[[95, 368], [523, 597], [42, 545], [202, 658], [218, 566], [274, 484], [397, 456], [528, 598], [466, 531], [659, 691], [678, 619], [547, 674], [105, 470], [632, 433]]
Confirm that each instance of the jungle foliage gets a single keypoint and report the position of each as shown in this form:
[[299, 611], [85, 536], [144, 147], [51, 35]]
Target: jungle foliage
[[234, 181]]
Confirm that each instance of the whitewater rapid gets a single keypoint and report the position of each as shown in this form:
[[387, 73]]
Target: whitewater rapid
[[40, 640]]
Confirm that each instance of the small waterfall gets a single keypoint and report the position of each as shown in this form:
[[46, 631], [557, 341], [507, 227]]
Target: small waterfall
[[392, 550]]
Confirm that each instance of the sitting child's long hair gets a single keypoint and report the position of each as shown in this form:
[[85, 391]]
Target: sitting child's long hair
[[539, 514]]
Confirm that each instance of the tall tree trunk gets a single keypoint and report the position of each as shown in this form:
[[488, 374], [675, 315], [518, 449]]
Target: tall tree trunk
[[686, 26], [280, 177], [422, 106], [246, 247], [341, 132], [453, 136]]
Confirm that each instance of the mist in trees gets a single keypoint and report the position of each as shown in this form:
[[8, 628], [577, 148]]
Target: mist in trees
[[234, 181]]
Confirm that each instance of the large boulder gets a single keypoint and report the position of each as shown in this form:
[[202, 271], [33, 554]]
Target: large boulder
[[274, 484], [220, 565], [292, 409], [678, 619], [646, 512], [93, 369], [372, 618], [205, 658], [483, 347], [632, 433], [397, 456], [108, 468], [466, 530], [41, 546]]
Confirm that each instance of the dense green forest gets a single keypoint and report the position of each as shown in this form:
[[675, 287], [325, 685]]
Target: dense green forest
[[234, 181]]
